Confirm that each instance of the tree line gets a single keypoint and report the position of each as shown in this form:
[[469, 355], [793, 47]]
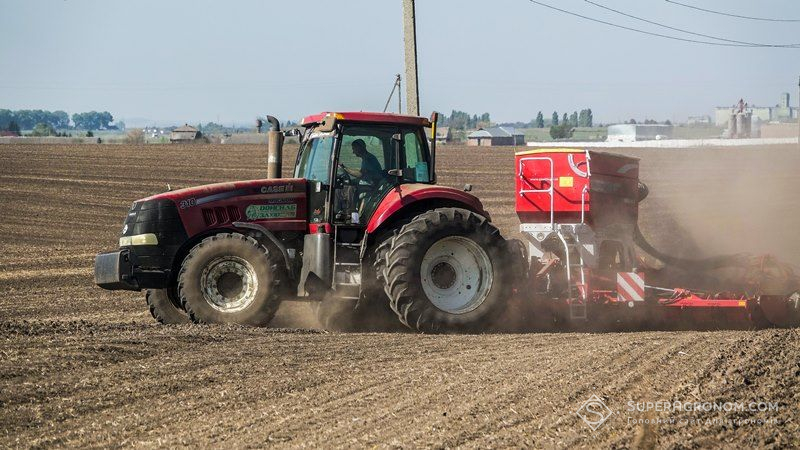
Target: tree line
[[28, 119], [460, 120], [583, 118]]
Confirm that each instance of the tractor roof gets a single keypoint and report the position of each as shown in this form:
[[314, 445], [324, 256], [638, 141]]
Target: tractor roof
[[372, 117]]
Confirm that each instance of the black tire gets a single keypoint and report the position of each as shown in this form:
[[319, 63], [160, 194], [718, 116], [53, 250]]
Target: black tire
[[379, 261], [214, 263], [163, 309], [404, 277]]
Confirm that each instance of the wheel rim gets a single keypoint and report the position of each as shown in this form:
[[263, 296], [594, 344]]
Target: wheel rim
[[229, 283], [456, 274]]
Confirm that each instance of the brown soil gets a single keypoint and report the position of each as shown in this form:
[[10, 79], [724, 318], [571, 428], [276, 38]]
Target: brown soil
[[80, 366]]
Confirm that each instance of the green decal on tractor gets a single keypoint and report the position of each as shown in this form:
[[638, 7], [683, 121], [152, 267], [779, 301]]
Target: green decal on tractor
[[271, 211]]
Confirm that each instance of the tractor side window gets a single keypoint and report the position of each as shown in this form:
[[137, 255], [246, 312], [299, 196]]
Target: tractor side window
[[375, 143], [315, 159], [416, 167], [366, 154]]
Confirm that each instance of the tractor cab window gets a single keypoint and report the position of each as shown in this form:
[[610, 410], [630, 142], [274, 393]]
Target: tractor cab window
[[366, 155], [315, 158], [415, 166], [366, 165]]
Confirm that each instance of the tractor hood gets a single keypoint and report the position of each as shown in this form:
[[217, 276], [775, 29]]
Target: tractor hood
[[208, 193], [275, 203]]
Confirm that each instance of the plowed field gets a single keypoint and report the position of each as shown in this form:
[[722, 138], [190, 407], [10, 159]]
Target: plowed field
[[80, 366]]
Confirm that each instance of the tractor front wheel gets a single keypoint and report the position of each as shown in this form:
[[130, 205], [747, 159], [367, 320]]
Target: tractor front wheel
[[446, 271], [230, 278], [163, 308]]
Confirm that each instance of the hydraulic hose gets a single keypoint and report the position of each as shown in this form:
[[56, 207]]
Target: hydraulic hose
[[711, 263]]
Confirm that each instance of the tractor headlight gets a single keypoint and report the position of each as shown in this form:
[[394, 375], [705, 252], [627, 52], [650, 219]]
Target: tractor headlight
[[139, 239]]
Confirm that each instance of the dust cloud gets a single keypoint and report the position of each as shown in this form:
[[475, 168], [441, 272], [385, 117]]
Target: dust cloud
[[710, 202]]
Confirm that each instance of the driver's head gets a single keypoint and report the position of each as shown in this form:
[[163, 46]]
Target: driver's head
[[359, 147]]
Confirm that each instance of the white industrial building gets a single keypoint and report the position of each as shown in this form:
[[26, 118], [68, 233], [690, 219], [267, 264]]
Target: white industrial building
[[782, 112], [638, 132]]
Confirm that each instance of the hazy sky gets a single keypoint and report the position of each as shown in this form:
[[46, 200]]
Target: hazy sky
[[191, 61]]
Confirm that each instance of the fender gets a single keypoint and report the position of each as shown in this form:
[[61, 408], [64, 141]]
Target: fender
[[272, 238], [404, 195]]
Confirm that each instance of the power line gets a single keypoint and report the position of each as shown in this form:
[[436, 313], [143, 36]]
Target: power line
[[731, 15], [753, 44], [666, 36]]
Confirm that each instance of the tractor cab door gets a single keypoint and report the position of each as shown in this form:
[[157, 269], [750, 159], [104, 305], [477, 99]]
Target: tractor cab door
[[372, 159], [314, 164]]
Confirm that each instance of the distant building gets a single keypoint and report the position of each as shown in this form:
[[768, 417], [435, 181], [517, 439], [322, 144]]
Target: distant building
[[495, 136], [185, 133], [443, 135], [699, 120], [782, 112], [638, 132]]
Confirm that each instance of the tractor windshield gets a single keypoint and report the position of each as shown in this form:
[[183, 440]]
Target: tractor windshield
[[315, 158]]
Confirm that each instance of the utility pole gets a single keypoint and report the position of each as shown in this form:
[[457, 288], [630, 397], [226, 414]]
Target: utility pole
[[798, 112], [410, 38], [396, 85]]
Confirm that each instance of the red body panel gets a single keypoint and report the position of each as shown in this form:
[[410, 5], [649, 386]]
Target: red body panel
[[373, 117], [278, 205], [406, 194], [606, 194]]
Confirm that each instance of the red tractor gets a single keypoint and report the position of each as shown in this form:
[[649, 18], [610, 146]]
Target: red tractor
[[361, 220]]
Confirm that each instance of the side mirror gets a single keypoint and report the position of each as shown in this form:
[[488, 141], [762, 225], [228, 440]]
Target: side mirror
[[328, 123], [291, 132]]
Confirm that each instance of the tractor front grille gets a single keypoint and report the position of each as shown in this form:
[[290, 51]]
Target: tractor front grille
[[221, 215]]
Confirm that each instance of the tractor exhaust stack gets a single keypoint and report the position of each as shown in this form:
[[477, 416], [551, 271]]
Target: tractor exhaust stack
[[274, 148]]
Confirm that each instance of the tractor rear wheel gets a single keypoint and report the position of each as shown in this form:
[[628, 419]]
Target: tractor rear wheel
[[446, 271], [230, 278], [163, 308]]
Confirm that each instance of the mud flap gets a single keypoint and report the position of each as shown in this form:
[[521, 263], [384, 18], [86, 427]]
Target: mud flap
[[315, 275]]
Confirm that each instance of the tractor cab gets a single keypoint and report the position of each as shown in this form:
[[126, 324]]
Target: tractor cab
[[352, 160]]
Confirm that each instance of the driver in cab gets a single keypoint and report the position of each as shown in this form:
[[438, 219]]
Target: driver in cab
[[371, 170]]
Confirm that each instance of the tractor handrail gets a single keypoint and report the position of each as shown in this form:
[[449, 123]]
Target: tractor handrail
[[550, 182], [584, 191]]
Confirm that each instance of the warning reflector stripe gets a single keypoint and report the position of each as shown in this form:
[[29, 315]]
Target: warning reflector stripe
[[635, 281], [630, 287]]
